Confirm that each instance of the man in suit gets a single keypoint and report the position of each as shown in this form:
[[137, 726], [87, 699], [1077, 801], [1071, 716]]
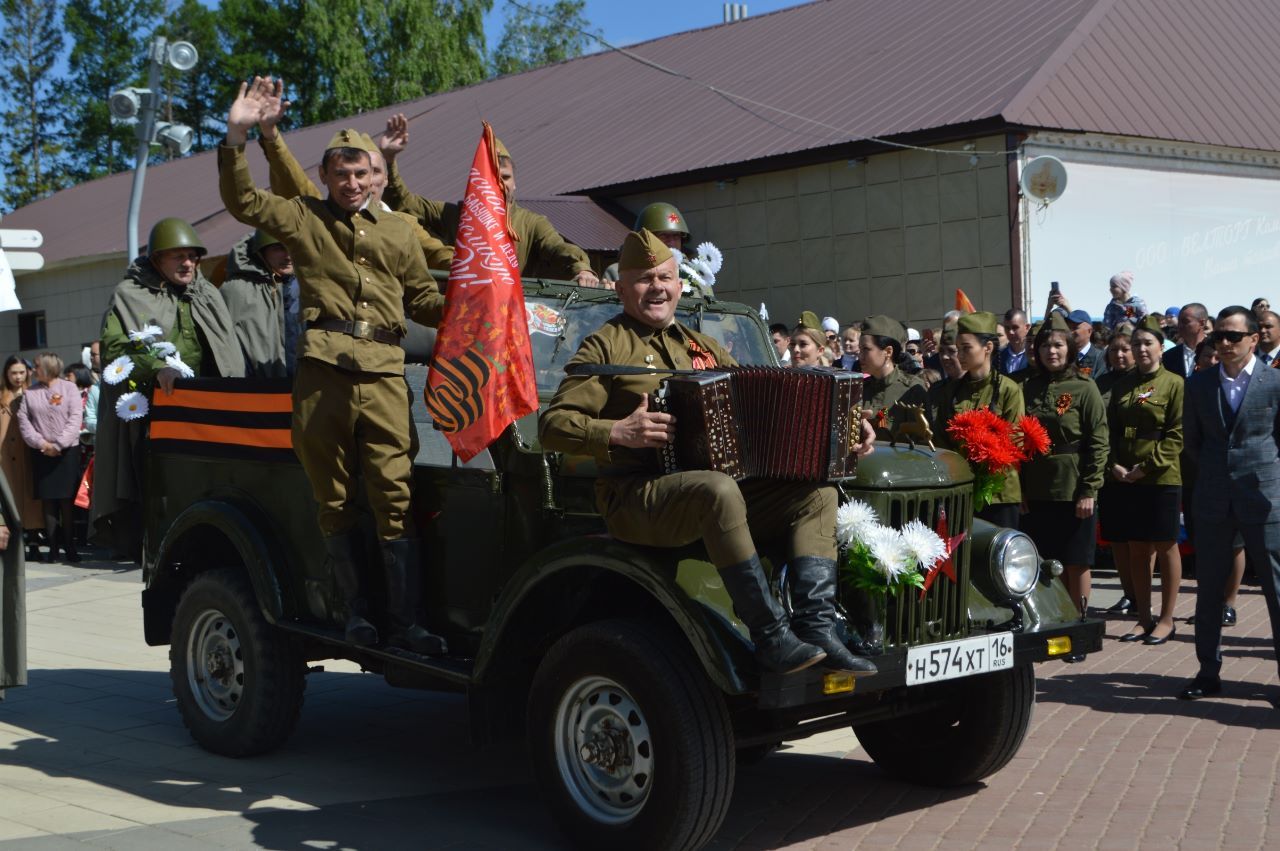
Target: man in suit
[[1013, 357], [1193, 325], [1269, 338], [1091, 360], [1231, 419]]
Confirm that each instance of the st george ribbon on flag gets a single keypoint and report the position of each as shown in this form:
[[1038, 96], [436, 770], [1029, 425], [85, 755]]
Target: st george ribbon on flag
[[481, 377]]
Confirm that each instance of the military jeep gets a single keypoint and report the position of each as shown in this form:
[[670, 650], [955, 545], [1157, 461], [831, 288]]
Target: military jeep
[[623, 668]]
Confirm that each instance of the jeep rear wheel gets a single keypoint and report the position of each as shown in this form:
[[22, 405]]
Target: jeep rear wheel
[[631, 744], [977, 729], [238, 682]]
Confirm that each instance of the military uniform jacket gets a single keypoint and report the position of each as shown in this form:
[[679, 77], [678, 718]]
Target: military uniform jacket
[[362, 266], [254, 298], [585, 407], [1107, 382], [883, 397], [1144, 417], [540, 248], [288, 179], [1070, 408], [1002, 395]]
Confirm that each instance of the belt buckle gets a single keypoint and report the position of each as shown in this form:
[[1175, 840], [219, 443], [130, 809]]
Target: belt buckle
[[362, 329]]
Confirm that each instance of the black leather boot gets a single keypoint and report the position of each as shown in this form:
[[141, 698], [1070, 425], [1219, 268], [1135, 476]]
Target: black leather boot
[[777, 648], [813, 613], [399, 561], [346, 575]]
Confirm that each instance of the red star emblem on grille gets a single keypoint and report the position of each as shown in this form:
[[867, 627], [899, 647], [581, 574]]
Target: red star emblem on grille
[[947, 565]]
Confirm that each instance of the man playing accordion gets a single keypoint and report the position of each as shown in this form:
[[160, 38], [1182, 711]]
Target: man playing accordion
[[608, 417]]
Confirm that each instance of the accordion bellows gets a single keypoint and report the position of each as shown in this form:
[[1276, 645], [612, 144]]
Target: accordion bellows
[[800, 423]]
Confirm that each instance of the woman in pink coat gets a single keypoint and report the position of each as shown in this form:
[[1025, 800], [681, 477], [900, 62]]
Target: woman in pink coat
[[50, 419]]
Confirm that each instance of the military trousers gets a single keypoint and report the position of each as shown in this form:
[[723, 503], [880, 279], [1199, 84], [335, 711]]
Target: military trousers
[[347, 422], [730, 518]]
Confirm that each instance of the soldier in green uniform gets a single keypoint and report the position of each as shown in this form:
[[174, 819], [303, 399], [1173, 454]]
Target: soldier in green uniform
[[888, 389], [261, 292], [1060, 488], [665, 222], [360, 270], [540, 249], [1140, 502], [163, 288], [982, 386], [607, 417]]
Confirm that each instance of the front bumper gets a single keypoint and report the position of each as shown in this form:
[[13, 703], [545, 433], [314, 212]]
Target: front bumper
[[789, 691]]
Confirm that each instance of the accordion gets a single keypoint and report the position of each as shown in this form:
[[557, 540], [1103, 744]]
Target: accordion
[[801, 423]]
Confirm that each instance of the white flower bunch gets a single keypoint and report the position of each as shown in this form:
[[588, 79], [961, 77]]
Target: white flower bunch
[[702, 268], [879, 557], [132, 405]]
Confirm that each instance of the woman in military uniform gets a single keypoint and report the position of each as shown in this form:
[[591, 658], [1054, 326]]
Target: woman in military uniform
[[982, 386], [1060, 488], [1119, 365], [887, 388], [808, 342], [1144, 484]]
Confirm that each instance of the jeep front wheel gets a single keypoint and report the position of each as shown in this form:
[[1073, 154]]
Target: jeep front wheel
[[975, 730], [631, 744], [237, 681]]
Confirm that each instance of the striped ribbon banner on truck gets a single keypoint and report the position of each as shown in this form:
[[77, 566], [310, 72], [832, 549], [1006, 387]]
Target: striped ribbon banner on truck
[[243, 418]]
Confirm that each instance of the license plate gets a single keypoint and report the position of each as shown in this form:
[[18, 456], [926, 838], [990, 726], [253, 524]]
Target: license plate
[[931, 663]]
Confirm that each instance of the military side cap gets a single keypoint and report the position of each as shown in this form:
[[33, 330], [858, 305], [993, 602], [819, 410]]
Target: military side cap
[[809, 319], [350, 138], [1056, 321], [981, 322], [884, 326], [500, 148], [641, 250], [1151, 324]]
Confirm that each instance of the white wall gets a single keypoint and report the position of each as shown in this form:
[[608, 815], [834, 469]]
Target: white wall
[[73, 300]]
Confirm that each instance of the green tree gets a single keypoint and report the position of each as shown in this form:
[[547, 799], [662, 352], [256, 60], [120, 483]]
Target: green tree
[[108, 41], [265, 38], [550, 33], [196, 97], [33, 42]]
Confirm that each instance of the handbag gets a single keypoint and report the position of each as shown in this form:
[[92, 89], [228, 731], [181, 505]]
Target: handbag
[[85, 492]]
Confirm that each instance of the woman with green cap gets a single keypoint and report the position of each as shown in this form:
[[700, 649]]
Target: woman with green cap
[[1144, 485], [981, 386], [1060, 488], [887, 388], [809, 342]]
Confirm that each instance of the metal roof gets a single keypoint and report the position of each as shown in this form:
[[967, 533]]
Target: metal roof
[[789, 83]]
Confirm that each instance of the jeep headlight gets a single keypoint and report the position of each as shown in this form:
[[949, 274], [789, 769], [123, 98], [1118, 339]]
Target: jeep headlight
[[1015, 563]]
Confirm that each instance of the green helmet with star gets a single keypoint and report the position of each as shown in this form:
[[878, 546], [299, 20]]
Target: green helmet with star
[[661, 217], [174, 233]]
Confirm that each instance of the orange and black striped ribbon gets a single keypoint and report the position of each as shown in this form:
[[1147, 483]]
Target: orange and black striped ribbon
[[242, 418]]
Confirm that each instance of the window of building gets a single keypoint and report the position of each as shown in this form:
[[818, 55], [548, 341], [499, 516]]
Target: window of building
[[31, 332]]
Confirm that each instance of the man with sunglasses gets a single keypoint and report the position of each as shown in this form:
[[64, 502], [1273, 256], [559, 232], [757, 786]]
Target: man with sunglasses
[[1232, 425]]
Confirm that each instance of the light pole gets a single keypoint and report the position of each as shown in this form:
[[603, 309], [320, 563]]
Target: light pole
[[142, 104]]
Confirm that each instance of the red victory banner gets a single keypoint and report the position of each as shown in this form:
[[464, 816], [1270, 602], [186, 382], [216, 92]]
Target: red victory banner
[[481, 377]]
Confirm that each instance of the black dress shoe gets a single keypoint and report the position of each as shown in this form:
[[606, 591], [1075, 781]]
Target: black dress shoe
[[1152, 641], [1201, 687], [1139, 636], [1123, 606], [1228, 616]]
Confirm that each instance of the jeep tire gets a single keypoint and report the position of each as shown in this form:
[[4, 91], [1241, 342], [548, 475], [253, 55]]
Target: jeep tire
[[238, 681], [632, 746], [974, 732]]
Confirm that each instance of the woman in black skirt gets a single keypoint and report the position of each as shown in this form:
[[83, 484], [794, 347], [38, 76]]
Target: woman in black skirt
[[50, 420], [1144, 485]]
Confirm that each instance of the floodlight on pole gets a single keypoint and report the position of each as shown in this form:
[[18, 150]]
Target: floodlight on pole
[[142, 104]]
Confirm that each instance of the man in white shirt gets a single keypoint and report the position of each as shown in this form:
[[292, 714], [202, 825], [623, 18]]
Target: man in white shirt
[[1269, 339], [1193, 324], [1013, 357]]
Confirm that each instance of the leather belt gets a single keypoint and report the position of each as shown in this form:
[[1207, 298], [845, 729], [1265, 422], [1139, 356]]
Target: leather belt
[[1065, 448], [359, 329], [1133, 434]]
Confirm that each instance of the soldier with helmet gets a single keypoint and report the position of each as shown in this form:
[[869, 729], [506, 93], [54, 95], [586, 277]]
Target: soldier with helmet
[[163, 288], [665, 222], [261, 292]]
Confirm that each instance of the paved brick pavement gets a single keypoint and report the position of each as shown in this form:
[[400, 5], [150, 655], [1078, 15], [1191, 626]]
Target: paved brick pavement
[[92, 754]]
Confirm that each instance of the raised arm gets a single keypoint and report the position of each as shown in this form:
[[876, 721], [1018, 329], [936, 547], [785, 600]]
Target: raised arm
[[245, 201], [430, 214], [288, 178]]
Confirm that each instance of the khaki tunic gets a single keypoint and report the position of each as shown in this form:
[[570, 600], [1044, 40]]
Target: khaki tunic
[[350, 410], [1145, 422], [641, 506], [1074, 468], [540, 248], [997, 392], [883, 398]]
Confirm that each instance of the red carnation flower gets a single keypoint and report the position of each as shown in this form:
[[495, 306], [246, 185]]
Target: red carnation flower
[[1032, 436], [985, 439]]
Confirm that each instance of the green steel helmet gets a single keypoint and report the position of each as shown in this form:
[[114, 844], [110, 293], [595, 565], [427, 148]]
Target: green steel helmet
[[174, 233], [662, 217], [260, 240]]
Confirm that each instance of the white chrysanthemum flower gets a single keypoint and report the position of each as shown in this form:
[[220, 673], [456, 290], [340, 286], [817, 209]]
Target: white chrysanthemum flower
[[853, 521], [147, 334], [132, 406], [923, 543], [692, 275], [175, 362], [118, 370], [686, 289], [163, 348], [711, 255], [706, 277], [889, 551]]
